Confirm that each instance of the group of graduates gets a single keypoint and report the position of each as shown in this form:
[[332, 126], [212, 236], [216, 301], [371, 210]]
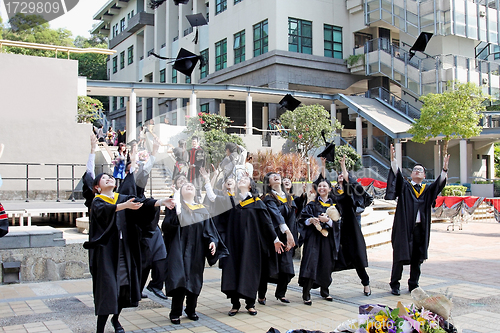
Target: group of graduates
[[253, 236]]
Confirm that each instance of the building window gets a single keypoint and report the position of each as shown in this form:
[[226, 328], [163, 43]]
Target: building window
[[496, 52], [174, 75], [130, 55], [221, 54], [122, 24], [122, 59], [204, 68], [220, 6], [205, 108], [239, 47], [188, 79], [115, 64], [115, 104], [333, 41], [116, 30], [122, 102], [162, 76], [260, 38], [361, 38], [174, 118], [299, 36]]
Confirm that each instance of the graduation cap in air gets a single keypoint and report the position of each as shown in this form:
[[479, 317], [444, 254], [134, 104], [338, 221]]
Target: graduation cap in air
[[186, 62], [196, 20], [289, 102], [329, 152], [420, 43], [177, 2]]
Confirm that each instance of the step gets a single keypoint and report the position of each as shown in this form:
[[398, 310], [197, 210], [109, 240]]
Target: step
[[378, 239], [382, 226], [374, 217]]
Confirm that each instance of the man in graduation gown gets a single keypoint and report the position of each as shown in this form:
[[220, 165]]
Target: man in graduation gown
[[196, 161], [412, 220]]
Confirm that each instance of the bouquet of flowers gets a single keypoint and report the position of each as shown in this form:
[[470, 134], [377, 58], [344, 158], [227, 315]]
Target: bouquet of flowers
[[400, 320]]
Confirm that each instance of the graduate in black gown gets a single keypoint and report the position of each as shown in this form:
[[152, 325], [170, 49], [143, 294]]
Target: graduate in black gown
[[281, 207], [193, 237], [251, 241], [299, 200], [412, 221], [352, 252], [115, 258], [219, 202], [320, 252]]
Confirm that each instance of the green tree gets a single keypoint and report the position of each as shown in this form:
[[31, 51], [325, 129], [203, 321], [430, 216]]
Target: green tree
[[352, 159], [304, 125], [497, 160], [88, 109], [91, 65], [453, 114], [211, 129]]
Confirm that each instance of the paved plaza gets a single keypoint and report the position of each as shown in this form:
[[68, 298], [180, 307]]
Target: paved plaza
[[463, 263]]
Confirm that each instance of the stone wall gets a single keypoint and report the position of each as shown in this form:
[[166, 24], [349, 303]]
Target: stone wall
[[49, 263]]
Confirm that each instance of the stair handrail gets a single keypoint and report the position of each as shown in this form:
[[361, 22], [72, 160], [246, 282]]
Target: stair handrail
[[376, 165]]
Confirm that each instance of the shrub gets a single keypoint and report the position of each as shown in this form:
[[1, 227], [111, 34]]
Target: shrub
[[454, 190], [288, 165]]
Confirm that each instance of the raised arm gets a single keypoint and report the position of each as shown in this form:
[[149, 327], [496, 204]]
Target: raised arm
[[345, 174]]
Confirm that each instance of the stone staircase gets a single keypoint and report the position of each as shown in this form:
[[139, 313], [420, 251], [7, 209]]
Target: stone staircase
[[376, 223]]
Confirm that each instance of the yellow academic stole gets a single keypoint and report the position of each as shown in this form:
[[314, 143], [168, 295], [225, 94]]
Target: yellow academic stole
[[248, 201], [418, 194], [194, 207], [108, 199]]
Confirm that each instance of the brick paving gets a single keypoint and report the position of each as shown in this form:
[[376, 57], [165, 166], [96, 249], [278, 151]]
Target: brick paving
[[463, 263]]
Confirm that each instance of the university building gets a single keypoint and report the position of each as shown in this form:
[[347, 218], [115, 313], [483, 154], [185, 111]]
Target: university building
[[352, 55]]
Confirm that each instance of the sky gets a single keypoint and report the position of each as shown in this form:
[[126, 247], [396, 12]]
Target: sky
[[78, 20]]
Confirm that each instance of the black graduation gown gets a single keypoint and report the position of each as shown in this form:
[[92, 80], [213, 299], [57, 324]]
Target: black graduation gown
[[106, 226], [188, 248], [352, 242], [220, 210], [280, 212], [319, 253], [250, 240], [409, 203]]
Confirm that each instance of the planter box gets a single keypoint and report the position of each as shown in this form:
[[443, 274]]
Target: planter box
[[482, 190]]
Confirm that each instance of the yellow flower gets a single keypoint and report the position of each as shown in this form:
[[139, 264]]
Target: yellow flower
[[382, 318]]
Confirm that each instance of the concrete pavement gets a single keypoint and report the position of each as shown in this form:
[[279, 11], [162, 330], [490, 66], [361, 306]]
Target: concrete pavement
[[463, 263]]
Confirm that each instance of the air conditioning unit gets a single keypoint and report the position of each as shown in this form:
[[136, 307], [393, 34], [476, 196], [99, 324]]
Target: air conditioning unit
[[482, 13], [485, 80]]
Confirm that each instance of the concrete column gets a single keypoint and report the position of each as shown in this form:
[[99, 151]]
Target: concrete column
[[265, 118], [131, 120], [337, 138], [222, 109], [333, 112], [463, 161], [369, 136], [359, 135], [181, 113], [249, 114], [437, 159], [399, 153], [192, 104]]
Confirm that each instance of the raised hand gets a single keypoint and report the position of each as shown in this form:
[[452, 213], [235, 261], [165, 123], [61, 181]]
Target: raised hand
[[130, 204], [93, 143], [393, 153], [446, 159]]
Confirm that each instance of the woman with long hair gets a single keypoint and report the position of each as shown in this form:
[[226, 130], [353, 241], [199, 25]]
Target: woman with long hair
[[120, 162], [116, 223], [282, 210]]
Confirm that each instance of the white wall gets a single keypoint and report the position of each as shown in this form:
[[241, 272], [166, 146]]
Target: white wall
[[38, 111]]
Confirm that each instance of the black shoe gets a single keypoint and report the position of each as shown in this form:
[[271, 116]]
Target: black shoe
[[175, 321], [369, 292], [395, 291], [328, 298], [308, 302], [252, 312], [410, 288], [157, 292], [119, 330], [283, 299], [232, 312], [262, 301], [193, 316], [143, 295]]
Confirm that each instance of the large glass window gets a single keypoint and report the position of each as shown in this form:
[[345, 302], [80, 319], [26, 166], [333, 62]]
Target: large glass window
[[115, 64], [122, 59], [122, 24], [239, 47], [162, 76], [204, 68], [130, 55], [260, 38], [221, 54], [220, 6], [333, 41], [115, 103], [122, 102], [174, 75], [299, 36], [205, 108]]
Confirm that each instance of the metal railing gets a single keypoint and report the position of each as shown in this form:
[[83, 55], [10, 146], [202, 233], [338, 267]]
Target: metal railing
[[376, 166], [52, 172]]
